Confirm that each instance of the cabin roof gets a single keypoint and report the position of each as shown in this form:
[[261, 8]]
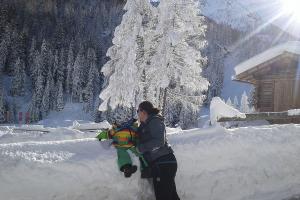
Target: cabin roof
[[289, 47]]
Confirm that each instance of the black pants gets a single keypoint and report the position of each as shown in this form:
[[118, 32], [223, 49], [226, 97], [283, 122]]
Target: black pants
[[164, 172]]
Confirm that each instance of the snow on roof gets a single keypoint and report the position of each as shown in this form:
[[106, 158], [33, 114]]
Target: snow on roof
[[292, 47]]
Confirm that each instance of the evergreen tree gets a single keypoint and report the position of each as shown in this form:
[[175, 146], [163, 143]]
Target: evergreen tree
[[70, 68], [18, 81], [236, 103], [60, 98], [77, 76], [40, 84], [61, 71], [32, 66], [53, 92], [2, 110], [182, 33], [89, 97], [3, 53], [91, 60], [244, 103], [163, 52], [229, 102], [34, 109], [46, 58], [123, 65], [46, 97], [56, 65]]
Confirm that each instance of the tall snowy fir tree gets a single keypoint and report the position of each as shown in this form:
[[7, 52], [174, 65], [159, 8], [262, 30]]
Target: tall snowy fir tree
[[77, 76], [31, 59], [46, 98], [70, 66], [18, 81], [244, 106], [163, 51], [229, 102], [236, 103], [180, 61], [121, 71], [60, 98], [37, 96], [2, 111], [3, 53]]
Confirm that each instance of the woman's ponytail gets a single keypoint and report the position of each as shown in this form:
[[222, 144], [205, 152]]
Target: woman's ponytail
[[148, 107], [155, 111]]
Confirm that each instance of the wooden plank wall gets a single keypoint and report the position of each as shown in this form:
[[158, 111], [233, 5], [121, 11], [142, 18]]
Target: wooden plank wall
[[265, 90], [278, 95]]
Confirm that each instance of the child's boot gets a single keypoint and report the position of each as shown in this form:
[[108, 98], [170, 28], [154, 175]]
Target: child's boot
[[128, 170]]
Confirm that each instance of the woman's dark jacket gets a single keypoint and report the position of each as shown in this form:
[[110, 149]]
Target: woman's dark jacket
[[152, 138]]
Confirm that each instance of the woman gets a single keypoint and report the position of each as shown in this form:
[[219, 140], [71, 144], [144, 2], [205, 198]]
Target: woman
[[154, 147]]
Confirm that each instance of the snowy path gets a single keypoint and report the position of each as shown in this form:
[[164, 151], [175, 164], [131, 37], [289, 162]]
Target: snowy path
[[259, 163]]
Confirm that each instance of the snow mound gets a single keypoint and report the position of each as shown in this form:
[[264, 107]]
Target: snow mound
[[257, 163], [219, 109], [294, 112], [91, 126]]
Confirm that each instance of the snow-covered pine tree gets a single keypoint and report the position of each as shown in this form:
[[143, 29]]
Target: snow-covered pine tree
[[90, 60], [91, 87], [77, 77], [62, 70], [70, 68], [253, 99], [33, 53], [89, 97], [179, 61], [46, 58], [2, 111], [18, 81], [3, 53], [37, 96], [236, 104], [53, 93], [56, 65], [121, 72], [60, 98], [229, 102], [244, 103], [46, 96], [34, 109], [163, 52]]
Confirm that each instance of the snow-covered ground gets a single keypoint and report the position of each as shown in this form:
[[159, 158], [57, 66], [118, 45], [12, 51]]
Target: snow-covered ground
[[259, 163], [66, 117]]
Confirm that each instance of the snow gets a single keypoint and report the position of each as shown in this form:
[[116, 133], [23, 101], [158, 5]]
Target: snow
[[238, 14], [91, 126], [253, 163], [219, 109], [291, 47], [293, 112], [72, 112]]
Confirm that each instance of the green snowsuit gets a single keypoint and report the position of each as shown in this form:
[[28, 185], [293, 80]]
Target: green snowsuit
[[124, 141]]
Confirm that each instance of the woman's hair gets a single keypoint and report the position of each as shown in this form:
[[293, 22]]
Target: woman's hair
[[148, 107]]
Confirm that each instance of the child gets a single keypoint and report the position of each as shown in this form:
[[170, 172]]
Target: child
[[124, 138]]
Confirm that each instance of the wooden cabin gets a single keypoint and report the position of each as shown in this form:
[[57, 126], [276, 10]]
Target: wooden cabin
[[275, 75]]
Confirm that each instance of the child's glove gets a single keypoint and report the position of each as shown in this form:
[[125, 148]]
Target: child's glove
[[103, 135]]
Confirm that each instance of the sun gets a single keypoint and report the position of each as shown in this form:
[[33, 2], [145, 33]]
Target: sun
[[291, 8]]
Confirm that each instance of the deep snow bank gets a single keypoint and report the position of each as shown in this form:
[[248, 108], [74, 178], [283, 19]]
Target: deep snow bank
[[260, 163]]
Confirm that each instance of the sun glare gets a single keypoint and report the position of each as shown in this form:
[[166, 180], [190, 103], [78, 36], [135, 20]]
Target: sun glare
[[291, 7]]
